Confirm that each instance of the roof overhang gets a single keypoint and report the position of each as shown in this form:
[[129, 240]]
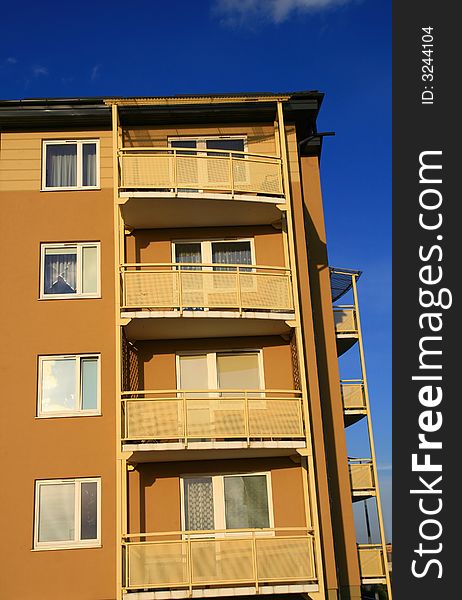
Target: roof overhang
[[73, 113]]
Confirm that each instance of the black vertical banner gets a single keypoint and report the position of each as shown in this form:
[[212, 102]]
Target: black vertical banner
[[427, 328]]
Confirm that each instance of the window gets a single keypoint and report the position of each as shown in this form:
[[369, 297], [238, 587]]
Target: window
[[226, 252], [69, 385], [227, 502], [70, 270], [70, 164], [67, 513], [220, 371], [209, 173]]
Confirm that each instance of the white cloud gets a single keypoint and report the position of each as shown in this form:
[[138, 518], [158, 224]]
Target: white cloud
[[236, 12], [39, 70], [95, 72]]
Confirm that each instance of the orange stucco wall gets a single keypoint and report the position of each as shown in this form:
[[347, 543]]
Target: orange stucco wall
[[156, 360], [154, 491], [32, 448], [155, 246]]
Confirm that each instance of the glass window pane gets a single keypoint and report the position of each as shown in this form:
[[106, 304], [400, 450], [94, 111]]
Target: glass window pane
[[89, 383], [231, 253], [58, 385], [198, 501], [246, 502], [194, 373], [60, 271], [233, 144], [89, 510], [184, 144], [61, 165], [89, 164], [238, 371], [90, 269], [188, 253], [56, 512]]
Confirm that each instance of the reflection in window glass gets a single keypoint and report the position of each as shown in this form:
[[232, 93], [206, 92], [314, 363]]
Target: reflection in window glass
[[58, 385], [246, 502], [89, 269], [238, 371], [89, 383], [89, 511]]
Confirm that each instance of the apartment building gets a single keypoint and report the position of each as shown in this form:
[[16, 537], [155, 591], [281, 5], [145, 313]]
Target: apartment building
[[172, 409]]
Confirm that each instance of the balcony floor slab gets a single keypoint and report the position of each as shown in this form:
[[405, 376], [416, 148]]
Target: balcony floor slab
[[159, 210], [143, 453], [155, 325], [221, 592]]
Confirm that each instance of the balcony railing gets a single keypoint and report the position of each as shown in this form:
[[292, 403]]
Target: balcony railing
[[371, 562], [206, 286], [231, 558], [182, 169], [353, 395], [361, 475], [206, 415], [345, 320]]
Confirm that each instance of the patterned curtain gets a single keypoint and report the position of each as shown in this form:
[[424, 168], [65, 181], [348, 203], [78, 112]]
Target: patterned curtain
[[246, 502], [199, 504]]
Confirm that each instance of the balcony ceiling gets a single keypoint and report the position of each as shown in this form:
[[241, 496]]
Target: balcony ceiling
[[143, 210], [163, 325]]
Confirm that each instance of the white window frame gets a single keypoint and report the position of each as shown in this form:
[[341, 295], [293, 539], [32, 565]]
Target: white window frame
[[79, 250], [212, 370], [77, 542], [219, 509], [76, 412], [79, 169], [206, 249]]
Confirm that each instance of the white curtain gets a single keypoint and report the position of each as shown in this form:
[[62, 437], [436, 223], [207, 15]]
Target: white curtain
[[56, 512], [60, 275], [89, 164], [231, 253], [188, 254], [61, 165]]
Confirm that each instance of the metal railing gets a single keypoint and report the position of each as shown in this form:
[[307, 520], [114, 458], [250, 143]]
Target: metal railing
[[353, 394], [205, 415], [345, 320], [361, 474], [224, 558], [371, 562], [177, 169], [211, 286]]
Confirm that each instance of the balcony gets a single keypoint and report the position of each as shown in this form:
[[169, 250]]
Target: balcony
[[346, 328], [175, 187], [208, 300], [372, 565], [362, 478], [354, 400], [182, 424], [217, 563]]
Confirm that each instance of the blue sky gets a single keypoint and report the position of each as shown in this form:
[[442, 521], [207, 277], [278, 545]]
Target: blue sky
[[155, 47]]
